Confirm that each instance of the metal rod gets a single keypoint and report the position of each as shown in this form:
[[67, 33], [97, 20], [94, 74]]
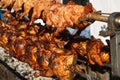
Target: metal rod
[[100, 17], [97, 17]]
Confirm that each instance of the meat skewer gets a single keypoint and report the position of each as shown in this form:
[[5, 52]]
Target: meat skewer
[[47, 58], [53, 13], [27, 44]]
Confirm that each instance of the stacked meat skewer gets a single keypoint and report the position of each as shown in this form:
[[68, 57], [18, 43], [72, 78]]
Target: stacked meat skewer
[[52, 12], [32, 44], [27, 47]]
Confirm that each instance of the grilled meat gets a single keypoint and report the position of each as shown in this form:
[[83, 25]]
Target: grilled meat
[[93, 50], [31, 44], [52, 12], [42, 49], [49, 59]]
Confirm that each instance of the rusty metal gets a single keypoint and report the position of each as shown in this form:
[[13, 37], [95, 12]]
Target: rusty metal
[[97, 17], [100, 17]]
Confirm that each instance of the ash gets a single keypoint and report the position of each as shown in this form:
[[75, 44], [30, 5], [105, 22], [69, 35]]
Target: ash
[[22, 68]]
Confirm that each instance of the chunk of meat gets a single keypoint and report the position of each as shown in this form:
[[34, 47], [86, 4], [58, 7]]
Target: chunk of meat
[[92, 48]]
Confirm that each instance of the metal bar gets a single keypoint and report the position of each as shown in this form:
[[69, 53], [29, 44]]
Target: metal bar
[[97, 17], [115, 53]]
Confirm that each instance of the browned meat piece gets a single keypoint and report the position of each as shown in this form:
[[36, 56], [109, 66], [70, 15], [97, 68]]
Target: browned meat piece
[[92, 48], [94, 53], [62, 16], [65, 63]]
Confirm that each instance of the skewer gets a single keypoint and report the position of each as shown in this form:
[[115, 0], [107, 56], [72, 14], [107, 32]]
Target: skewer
[[97, 17]]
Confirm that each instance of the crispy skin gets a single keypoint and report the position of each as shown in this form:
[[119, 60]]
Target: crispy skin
[[62, 16], [92, 48]]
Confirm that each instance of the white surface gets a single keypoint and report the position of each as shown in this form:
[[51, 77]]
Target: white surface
[[106, 6]]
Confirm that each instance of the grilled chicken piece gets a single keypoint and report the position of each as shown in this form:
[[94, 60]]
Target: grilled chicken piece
[[95, 53], [93, 49], [65, 63], [62, 16]]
